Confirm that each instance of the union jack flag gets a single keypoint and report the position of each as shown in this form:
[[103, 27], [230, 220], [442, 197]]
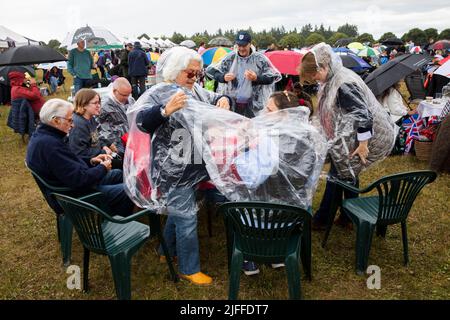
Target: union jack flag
[[412, 126]]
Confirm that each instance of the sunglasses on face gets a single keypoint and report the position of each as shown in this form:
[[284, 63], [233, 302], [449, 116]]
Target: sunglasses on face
[[191, 73]]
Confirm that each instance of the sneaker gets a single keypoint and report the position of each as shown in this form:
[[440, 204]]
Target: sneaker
[[277, 265], [198, 278], [250, 268]]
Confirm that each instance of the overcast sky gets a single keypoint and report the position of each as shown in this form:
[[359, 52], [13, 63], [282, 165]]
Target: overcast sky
[[53, 19]]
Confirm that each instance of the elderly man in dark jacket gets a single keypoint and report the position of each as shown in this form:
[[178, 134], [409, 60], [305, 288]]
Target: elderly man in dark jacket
[[50, 157], [138, 69]]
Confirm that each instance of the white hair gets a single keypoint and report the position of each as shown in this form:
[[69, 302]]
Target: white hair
[[176, 60], [54, 108]]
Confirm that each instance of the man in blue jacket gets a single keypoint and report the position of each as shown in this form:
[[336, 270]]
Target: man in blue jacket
[[50, 157], [138, 69]]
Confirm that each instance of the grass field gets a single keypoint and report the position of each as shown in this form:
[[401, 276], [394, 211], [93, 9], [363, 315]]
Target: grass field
[[30, 259]]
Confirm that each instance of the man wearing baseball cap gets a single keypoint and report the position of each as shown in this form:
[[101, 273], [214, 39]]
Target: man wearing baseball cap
[[245, 75]]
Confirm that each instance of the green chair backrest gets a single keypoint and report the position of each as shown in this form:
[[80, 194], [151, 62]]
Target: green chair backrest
[[264, 229], [87, 220], [397, 194]]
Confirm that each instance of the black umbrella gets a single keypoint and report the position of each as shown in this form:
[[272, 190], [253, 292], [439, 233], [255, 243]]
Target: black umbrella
[[343, 42], [392, 42], [4, 71], [220, 41], [30, 55], [394, 70]]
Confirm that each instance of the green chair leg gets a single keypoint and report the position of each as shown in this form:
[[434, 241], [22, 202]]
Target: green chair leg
[[162, 241], [235, 275], [405, 244], [65, 233], [363, 243], [86, 270], [121, 270], [293, 276], [305, 253], [155, 229], [381, 231]]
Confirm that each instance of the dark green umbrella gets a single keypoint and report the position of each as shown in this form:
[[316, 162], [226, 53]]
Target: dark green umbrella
[[32, 54], [394, 70]]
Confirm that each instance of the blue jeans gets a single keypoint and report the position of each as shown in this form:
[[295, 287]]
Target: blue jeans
[[112, 188], [180, 231], [53, 83], [79, 83]]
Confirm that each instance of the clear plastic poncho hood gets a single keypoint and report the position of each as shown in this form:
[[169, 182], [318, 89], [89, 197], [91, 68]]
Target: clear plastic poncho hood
[[340, 125]]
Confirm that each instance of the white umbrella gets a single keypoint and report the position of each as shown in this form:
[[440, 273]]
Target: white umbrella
[[444, 70], [98, 33], [188, 44], [47, 66]]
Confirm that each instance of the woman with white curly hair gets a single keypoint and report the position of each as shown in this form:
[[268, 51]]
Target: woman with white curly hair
[[175, 181]]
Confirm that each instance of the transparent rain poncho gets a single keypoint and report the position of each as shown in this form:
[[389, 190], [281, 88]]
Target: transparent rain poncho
[[340, 124], [241, 89], [274, 157]]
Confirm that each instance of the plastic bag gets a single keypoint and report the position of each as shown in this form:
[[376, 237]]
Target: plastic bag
[[244, 92]]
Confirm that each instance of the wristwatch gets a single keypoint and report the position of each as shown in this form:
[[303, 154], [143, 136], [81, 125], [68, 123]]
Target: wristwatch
[[163, 112]]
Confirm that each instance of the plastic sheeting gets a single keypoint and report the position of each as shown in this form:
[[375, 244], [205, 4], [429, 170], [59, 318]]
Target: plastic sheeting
[[340, 124], [256, 62], [274, 157]]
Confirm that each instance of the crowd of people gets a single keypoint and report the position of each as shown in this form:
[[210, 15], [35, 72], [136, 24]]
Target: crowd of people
[[82, 145]]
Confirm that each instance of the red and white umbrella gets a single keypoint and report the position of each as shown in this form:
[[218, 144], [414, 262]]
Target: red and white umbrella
[[416, 50], [444, 70]]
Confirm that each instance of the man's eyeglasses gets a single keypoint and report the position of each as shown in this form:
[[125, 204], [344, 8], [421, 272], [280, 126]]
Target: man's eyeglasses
[[191, 73], [69, 120]]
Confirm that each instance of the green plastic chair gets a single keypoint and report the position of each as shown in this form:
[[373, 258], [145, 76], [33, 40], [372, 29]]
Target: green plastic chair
[[115, 236], [396, 195], [267, 233], [64, 226]]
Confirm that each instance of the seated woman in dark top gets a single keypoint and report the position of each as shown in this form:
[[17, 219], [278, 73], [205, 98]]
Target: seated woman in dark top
[[83, 138]]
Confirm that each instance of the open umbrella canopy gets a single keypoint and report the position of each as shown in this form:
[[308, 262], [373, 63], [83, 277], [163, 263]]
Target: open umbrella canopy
[[343, 42], [441, 45], [415, 50], [48, 66], [393, 71], [285, 61], [214, 55], [94, 37], [220, 41], [353, 62], [153, 56], [444, 70], [30, 55], [188, 44], [342, 50], [4, 71], [356, 45], [392, 42], [369, 52]]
